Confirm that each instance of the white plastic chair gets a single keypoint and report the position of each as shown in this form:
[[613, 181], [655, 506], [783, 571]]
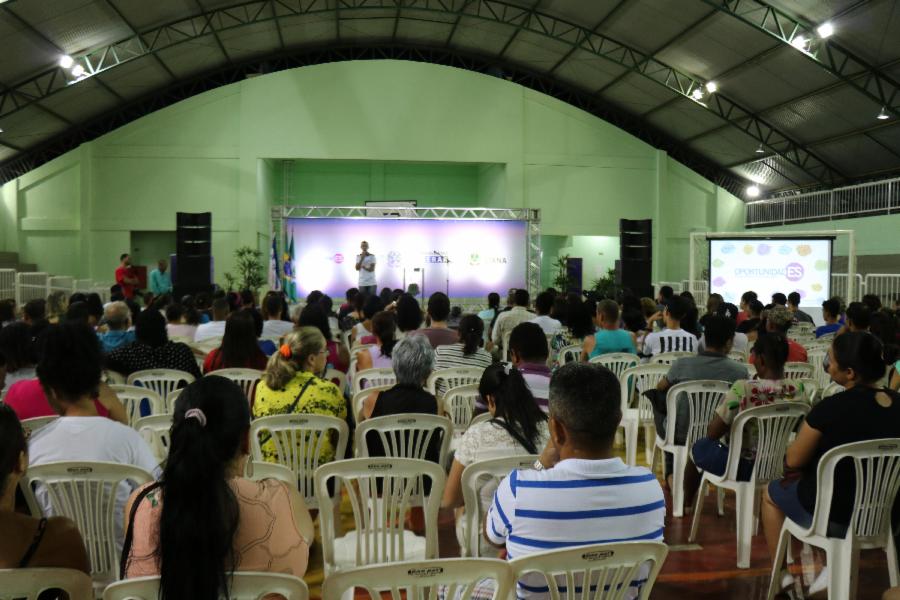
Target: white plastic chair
[[406, 435], [804, 327], [299, 442], [86, 492], [354, 351], [33, 424], [245, 585], [474, 477], [156, 430], [738, 355], [667, 358], [774, 425], [359, 398], [485, 416], [617, 362], [877, 467], [830, 390], [827, 338], [161, 381], [703, 396], [114, 378], [380, 491], [444, 379], [132, 398], [338, 378], [811, 388], [614, 566], [246, 378], [368, 378], [635, 381], [816, 358], [798, 370], [256, 471], [29, 584], [171, 398], [421, 580], [458, 403], [568, 354]]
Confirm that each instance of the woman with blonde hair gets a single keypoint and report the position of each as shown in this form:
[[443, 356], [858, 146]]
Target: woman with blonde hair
[[291, 384], [57, 305]]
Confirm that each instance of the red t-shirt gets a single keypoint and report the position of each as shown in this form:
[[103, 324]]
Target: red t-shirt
[[127, 288], [27, 399], [741, 317], [214, 362]]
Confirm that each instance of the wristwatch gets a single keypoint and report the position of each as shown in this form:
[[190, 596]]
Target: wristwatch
[[538, 465]]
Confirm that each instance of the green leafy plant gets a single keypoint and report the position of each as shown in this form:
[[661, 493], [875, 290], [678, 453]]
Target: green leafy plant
[[250, 270], [561, 280], [606, 287]]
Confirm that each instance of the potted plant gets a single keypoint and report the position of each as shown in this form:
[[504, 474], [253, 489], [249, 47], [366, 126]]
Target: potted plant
[[250, 270]]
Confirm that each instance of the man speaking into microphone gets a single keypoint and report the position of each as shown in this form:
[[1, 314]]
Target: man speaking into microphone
[[365, 264]]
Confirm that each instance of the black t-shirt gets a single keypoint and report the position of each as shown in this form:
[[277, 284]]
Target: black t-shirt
[[850, 416], [748, 325], [404, 399]]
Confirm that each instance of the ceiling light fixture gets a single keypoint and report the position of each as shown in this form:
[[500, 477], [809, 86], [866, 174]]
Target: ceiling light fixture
[[883, 116], [800, 43], [753, 191], [760, 149], [66, 61], [711, 87], [77, 70], [697, 94], [825, 30]]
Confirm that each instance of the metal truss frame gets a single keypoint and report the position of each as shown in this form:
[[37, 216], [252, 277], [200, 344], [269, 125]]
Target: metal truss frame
[[214, 21], [178, 91], [531, 216], [827, 53]]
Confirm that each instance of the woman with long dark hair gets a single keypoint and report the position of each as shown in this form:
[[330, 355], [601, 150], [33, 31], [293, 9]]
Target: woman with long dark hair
[[384, 327], [467, 352], [203, 519], [518, 426], [409, 314], [239, 348], [338, 354]]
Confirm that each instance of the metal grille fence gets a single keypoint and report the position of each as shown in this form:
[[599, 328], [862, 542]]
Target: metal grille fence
[[31, 286], [839, 287], [61, 283], [885, 286], [7, 284]]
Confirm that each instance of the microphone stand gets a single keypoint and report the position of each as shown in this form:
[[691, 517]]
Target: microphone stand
[[446, 260]]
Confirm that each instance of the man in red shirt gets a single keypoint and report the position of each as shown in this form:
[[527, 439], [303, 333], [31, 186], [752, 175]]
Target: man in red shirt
[[125, 276]]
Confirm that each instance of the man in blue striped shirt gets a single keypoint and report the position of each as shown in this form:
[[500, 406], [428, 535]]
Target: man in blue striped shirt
[[579, 493]]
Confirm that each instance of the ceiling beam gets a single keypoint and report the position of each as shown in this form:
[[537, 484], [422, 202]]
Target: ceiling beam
[[528, 13], [595, 29], [134, 31], [462, 12], [209, 16]]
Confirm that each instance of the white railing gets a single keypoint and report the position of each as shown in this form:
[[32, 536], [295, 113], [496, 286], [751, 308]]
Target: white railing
[[61, 283], [31, 286], [675, 285], [864, 199], [885, 286], [7, 284], [699, 289], [839, 287]]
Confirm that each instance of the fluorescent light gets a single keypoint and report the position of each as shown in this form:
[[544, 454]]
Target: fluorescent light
[[760, 149], [66, 61], [883, 116], [825, 30], [711, 87], [77, 70], [799, 42], [697, 93], [753, 191]]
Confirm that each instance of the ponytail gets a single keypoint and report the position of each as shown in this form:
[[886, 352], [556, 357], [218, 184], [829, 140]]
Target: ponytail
[[296, 347], [471, 332], [384, 327], [200, 511], [513, 400]]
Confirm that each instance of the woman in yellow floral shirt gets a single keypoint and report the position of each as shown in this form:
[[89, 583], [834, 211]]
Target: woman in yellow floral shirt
[[291, 385]]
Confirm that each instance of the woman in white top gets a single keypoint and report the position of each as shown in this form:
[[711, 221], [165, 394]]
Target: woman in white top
[[384, 329], [518, 426], [364, 328], [176, 328], [467, 352]]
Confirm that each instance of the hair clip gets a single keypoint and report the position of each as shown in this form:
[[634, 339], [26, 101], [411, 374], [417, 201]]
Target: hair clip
[[285, 351], [196, 413], [507, 367]]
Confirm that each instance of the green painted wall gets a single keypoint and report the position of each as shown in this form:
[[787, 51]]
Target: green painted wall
[[357, 130], [874, 235]]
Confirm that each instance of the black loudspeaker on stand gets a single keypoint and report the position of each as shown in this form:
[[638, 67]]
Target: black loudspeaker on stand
[[193, 270], [636, 256]]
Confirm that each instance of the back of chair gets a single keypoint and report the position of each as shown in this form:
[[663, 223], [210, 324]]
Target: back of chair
[[245, 585], [338, 378], [161, 381], [830, 390], [30, 584], [474, 477], [613, 567], [156, 431], [667, 358], [738, 355], [256, 471], [798, 370], [810, 389], [804, 327], [359, 398], [171, 398], [86, 493], [114, 378], [638, 380], [617, 362], [134, 397], [816, 358], [876, 464], [703, 397], [246, 378], [452, 377], [381, 491], [33, 424], [299, 442], [457, 578], [774, 425], [373, 377], [459, 405], [569, 354], [406, 435]]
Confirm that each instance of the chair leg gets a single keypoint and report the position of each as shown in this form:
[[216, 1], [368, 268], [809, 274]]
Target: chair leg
[[842, 560], [680, 460], [784, 541], [698, 506], [631, 438], [649, 441], [891, 552], [720, 501], [744, 501]]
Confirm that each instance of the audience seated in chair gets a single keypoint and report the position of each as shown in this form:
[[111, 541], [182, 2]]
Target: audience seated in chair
[[713, 363], [273, 307], [30, 542], [118, 327], [506, 321], [609, 337], [779, 320], [750, 325], [215, 328], [740, 342], [543, 304], [409, 315], [793, 303], [438, 311], [831, 313], [203, 519], [362, 331], [528, 353], [384, 328], [517, 426], [583, 494], [863, 411], [488, 315], [466, 352], [709, 453], [239, 349], [578, 325], [152, 349], [69, 371], [673, 338], [314, 315], [292, 384]]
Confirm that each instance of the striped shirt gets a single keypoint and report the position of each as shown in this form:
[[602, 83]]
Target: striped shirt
[[669, 340], [451, 356], [577, 502]]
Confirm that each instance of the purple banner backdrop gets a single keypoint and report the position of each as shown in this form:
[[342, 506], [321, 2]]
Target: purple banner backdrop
[[484, 256]]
